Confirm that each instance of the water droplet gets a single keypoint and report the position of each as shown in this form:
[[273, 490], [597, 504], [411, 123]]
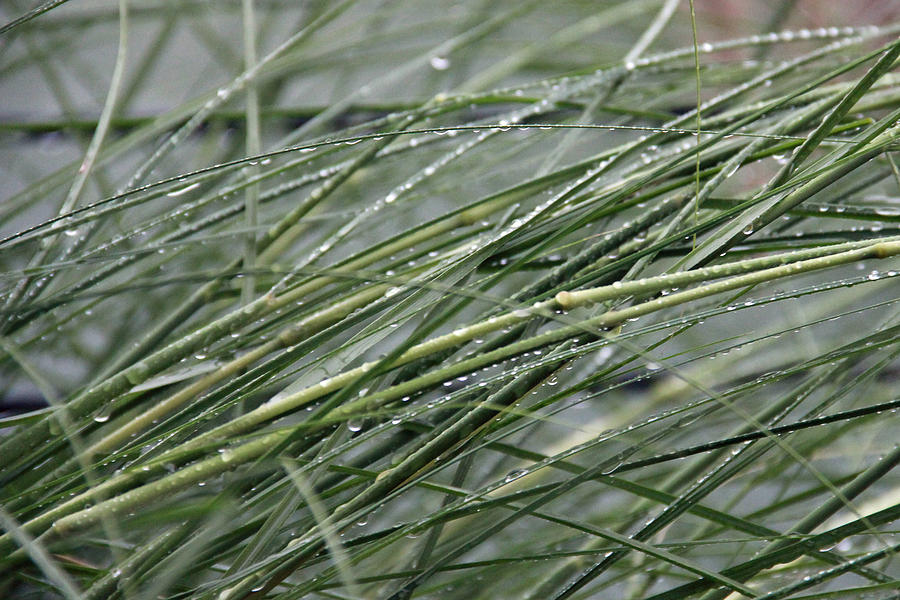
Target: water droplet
[[514, 474], [355, 425], [184, 190], [439, 63], [888, 211]]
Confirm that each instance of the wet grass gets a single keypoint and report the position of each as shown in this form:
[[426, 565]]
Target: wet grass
[[375, 300]]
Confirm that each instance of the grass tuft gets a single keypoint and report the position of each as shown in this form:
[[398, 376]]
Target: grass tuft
[[461, 300]]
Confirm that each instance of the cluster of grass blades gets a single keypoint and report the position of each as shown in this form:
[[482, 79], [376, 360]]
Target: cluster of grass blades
[[406, 299]]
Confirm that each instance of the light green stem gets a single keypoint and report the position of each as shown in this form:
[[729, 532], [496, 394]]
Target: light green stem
[[233, 456], [251, 200]]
